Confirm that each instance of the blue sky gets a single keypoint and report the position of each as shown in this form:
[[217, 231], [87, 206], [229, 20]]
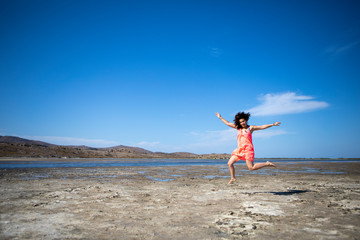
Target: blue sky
[[152, 74]]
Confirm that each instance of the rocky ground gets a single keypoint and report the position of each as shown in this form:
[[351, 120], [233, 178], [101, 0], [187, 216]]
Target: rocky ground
[[295, 201]]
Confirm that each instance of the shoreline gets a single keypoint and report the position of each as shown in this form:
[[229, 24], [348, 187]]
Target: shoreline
[[66, 159]]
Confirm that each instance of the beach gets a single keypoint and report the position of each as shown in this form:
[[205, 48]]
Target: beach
[[310, 200]]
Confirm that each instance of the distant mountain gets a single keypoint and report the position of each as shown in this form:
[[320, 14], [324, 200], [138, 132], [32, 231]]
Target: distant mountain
[[11, 146], [135, 149], [18, 140]]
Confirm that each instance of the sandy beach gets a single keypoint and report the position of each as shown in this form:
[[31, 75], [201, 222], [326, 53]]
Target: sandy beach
[[312, 200]]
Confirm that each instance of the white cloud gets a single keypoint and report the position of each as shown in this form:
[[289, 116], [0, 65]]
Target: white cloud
[[145, 144], [210, 141], [215, 137], [69, 141], [269, 133], [222, 140], [229, 136], [286, 103]]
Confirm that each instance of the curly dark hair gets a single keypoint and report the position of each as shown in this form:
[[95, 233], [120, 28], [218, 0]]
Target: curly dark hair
[[238, 116]]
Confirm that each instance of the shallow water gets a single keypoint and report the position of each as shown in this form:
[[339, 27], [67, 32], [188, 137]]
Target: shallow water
[[99, 169], [84, 163], [76, 163]]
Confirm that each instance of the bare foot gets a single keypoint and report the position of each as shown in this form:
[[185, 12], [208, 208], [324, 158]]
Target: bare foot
[[270, 164], [232, 180]]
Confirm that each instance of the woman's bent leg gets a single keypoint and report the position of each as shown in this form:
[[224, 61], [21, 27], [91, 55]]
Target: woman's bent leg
[[251, 166], [231, 162]]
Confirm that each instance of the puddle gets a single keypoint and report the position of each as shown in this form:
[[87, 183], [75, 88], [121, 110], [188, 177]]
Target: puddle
[[107, 176], [174, 175], [160, 179], [215, 176], [34, 177], [75, 178]]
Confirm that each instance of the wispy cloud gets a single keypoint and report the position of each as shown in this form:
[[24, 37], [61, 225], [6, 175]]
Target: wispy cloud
[[286, 103], [270, 133], [74, 141], [145, 144], [215, 52], [339, 49], [207, 141], [215, 137], [228, 136]]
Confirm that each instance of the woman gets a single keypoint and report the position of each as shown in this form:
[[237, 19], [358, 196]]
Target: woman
[[245, 148]]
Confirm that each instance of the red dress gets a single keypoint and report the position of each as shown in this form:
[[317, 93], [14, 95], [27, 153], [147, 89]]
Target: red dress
[[245, 148]]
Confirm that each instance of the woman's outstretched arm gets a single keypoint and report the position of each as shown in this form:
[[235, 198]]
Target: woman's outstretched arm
[[225, 121], [262, 127]]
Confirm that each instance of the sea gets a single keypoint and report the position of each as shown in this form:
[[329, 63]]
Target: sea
[[91, 163]]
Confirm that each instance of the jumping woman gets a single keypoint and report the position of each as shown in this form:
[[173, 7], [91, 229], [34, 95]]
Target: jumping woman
[[245, 148]]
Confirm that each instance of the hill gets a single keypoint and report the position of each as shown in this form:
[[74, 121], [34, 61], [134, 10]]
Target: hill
[[11, 146]]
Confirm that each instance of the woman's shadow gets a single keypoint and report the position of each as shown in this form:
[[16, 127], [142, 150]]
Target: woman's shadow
[[289, 192], [286, 193]]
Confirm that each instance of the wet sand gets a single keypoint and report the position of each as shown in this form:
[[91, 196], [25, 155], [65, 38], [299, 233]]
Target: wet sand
[[295, 201]]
